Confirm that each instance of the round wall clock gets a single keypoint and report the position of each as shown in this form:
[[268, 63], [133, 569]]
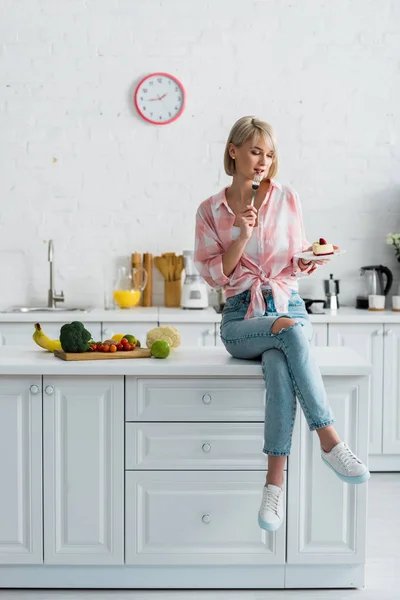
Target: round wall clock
[[160, 98]]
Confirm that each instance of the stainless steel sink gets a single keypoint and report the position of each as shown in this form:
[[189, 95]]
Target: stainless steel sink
[[30, 309]]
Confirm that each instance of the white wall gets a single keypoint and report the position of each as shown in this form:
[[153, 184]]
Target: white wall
[[79, 166]]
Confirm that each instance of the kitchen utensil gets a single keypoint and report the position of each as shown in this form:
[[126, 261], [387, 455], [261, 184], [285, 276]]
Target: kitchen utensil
[[137, 353], [373, 283], [255, 185], [331, 289], [148, 290], [194, 291], [171, 266]]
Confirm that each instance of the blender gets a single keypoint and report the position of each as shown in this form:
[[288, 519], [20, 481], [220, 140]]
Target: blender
[[194, 289]]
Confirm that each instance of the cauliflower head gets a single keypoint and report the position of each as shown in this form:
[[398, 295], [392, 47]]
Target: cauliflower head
[[166, 332]]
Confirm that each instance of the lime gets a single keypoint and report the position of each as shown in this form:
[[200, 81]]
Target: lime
[[160, 349], [131, 338], [117, 337]]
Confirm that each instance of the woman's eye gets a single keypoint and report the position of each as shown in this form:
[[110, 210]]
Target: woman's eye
[[255, 153]]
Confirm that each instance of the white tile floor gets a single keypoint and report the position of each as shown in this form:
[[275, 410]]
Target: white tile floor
[[383, 564]]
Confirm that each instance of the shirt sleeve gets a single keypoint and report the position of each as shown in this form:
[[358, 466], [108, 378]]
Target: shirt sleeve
[[208, 250], [304, 244]]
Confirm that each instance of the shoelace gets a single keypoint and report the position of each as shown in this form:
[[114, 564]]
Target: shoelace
[[346, 457], [271, 502]]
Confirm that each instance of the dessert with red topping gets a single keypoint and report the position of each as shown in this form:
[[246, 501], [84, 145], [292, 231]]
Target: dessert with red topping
[[322, 248]]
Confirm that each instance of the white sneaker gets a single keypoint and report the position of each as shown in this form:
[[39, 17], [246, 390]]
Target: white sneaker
[[345, 464], [271, 513]]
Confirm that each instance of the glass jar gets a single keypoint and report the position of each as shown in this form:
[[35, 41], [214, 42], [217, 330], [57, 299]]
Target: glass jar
[[127, 291]]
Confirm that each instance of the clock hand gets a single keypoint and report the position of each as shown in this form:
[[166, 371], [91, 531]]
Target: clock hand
[[163, 96]]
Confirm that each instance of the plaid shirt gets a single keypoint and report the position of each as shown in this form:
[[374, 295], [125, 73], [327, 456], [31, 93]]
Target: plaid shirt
[[280, 236]]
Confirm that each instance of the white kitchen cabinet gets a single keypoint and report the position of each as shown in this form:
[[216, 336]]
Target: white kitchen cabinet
[[195, 334], [367, 340], [137, 328], [391, 390], [21, 470], [198, 518], [320, 334], [83, 441], [20, 334], [327, 517]]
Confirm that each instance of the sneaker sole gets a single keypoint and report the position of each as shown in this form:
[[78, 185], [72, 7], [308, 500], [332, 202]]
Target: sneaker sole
[[358, 479], [268, 526]]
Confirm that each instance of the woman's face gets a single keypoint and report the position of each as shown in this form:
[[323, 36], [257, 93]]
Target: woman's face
[[254, 156]]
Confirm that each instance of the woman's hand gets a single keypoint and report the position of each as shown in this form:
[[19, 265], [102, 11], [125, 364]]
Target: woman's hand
[[319, 261], [247, 220]]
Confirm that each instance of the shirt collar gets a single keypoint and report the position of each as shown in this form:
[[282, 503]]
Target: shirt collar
[[220, 198]]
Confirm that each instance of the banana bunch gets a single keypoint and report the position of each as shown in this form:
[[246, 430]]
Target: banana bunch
[[44, 341]]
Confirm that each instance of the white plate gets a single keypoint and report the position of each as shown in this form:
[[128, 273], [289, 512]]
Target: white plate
[[311, 256]]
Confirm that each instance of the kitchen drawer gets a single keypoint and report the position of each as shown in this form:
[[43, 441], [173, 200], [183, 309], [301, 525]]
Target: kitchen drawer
[[192, 399], [194, 446], [198, 518]]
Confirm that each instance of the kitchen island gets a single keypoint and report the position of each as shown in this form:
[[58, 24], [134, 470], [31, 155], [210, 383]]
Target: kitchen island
[[148, 473]]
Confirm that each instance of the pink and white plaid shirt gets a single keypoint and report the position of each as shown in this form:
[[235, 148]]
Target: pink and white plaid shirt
[[280, 236]]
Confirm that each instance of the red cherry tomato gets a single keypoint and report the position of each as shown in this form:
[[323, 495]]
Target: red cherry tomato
[[120, 346], [127, 347], [106, 348]]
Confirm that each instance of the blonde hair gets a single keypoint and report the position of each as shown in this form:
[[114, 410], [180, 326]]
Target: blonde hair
[[242, 130]]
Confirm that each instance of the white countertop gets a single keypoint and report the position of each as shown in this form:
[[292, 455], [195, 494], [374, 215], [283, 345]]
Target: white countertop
[[165, 315], [185, 361]]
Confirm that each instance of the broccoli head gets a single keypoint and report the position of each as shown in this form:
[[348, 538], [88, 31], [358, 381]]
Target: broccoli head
[[74, 337]]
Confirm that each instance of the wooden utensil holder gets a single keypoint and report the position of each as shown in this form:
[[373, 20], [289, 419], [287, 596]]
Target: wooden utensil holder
[[172, 293]]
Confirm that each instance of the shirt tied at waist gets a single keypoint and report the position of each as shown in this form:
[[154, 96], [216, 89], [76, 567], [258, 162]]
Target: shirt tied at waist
[[281, 292]]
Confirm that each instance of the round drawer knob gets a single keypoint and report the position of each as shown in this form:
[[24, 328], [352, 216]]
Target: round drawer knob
[[206, 518], [34, 389], [49, 389], [206, 398], [206, 447]]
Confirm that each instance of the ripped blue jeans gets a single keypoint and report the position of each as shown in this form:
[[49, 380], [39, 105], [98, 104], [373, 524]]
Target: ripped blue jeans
[[288, 367]]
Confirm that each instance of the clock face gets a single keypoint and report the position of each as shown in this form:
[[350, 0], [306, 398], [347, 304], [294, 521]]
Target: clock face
[[160, 98]]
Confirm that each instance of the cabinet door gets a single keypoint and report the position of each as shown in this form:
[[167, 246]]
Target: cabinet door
[[138, 329], [391, 390], [195, 334], [320, 334], [21, 470], [367, 340], [327, 517], [20, 334], [83, 423]]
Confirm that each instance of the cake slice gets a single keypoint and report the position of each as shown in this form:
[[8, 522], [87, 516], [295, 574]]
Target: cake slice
[[321, 248]]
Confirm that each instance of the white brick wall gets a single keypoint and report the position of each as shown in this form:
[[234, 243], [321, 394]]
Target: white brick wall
[[325, 74]]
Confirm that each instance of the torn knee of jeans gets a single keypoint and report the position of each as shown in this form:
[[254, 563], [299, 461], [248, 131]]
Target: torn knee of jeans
[[284, 328]]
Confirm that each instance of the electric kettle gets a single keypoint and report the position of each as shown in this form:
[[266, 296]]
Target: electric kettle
[[373, 283]]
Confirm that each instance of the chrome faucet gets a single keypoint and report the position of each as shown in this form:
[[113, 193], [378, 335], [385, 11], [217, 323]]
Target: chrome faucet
[[53, 297]]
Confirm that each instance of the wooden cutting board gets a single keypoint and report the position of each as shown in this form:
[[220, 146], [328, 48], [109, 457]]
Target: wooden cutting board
[[137, 353]]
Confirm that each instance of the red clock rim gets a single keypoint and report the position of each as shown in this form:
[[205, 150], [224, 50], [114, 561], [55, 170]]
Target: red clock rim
[[183, 98]]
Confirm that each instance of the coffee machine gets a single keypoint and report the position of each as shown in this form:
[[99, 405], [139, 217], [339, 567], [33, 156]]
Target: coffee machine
[[331, 289]]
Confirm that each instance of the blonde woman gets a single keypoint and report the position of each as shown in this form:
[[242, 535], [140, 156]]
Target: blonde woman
[[249, 251]]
